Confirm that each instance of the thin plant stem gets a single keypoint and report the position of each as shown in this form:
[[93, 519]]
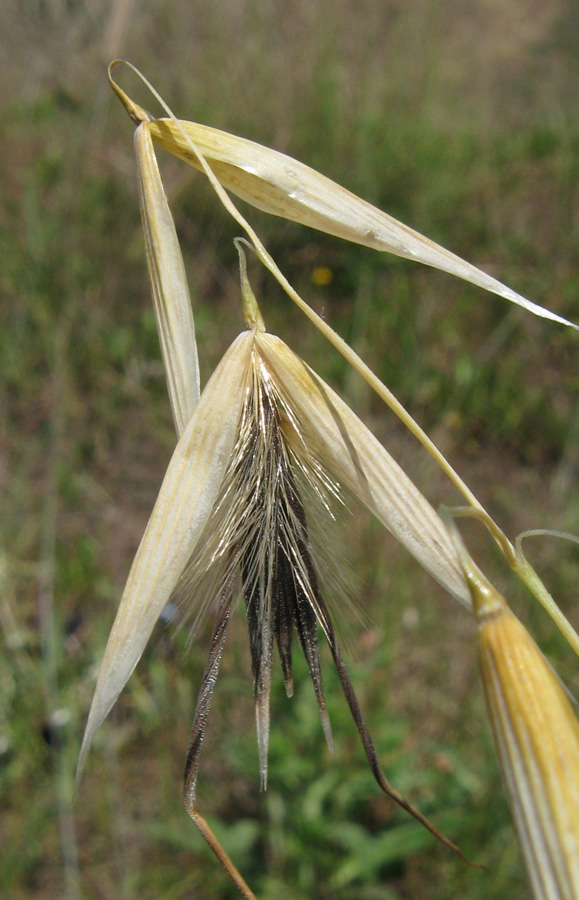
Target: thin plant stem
[[46, 616], [519, 564]]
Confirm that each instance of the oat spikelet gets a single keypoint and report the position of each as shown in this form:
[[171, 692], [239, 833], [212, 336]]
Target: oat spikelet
[[257, 533], [258, 526], [536, 733]]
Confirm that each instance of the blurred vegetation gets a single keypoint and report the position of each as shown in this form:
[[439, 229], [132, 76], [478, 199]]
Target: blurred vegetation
[[460, 120]]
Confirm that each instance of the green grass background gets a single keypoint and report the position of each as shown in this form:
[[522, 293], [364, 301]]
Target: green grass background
[[461, 120]]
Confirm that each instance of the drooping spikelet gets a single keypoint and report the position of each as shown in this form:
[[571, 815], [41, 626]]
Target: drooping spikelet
[[258, 530]]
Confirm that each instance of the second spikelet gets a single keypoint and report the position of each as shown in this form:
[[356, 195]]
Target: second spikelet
[[536, 733]]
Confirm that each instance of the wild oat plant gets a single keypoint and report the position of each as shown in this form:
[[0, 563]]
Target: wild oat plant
[[266, 448]]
